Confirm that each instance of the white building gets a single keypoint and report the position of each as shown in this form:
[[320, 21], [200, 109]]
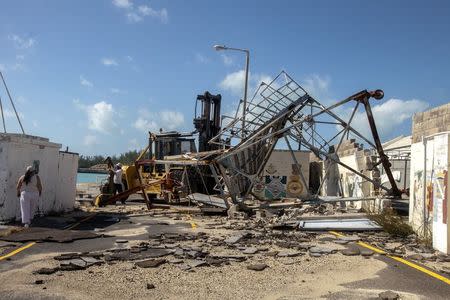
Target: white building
[[57, 170], [429, 193]]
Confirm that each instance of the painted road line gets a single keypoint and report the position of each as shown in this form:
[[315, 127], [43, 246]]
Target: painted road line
[[12, 253], [401, 260], [18, 250], [193, 225]]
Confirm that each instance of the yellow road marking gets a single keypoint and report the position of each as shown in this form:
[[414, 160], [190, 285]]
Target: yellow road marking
[[193, 225], [399, 259], [18, 250], [12, 253]]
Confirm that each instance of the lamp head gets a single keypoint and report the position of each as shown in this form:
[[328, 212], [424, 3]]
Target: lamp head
[[219, 47]]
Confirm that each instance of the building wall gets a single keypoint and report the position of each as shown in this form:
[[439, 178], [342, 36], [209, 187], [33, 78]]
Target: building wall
[[431, 122], [428, 207], [280, 178], [351, 184], [19, 151]]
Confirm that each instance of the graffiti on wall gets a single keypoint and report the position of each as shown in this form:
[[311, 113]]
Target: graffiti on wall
[[275, 186]]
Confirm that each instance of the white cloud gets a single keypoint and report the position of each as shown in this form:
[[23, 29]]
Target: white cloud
[[101, 116], [145, 125], [117, 91], [388, 115], [161, 14], [109, 61], [201, 58], [171, 119], [18, 67], [153, 121], [85, 82], [123, 3], [20, 57], [318, 87], [227, 60], [22, 42], [12, 115], [90, 140], [129, 58], [234, 82], [22, 100], [133, 17]]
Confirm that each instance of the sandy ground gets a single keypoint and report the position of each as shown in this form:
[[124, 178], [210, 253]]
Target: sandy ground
[[302, 277]]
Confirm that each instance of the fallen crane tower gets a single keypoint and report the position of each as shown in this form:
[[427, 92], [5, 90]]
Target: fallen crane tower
[[283, 110]]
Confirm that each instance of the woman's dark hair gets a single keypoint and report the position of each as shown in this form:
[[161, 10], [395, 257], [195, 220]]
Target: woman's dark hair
[[28, 175]]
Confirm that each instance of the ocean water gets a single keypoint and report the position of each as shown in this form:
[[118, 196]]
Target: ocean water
[[91, 177]]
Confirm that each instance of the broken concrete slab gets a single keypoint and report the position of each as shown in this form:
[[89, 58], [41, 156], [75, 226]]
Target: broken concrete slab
[[46, 271], [236, 238], [388, 295], [49, 235], [257, 267], [215, 261], [351, 250], [366, 252], [150, 263], [90, 261], [197, 263], [250, 250], [322, 250], [289, 253]]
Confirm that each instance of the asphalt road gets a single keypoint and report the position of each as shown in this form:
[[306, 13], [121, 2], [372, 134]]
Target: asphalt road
[[396, 276]]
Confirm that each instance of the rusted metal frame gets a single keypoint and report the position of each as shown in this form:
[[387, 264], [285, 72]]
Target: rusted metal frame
[[259, 118], [338, 146], [217, 179], [265, 108], [383, 157], [279, 95], [282, 114], [314, 149], [266, 158], [298, 165], [329, 123], [343, 123], [256, 138], [144, 194]]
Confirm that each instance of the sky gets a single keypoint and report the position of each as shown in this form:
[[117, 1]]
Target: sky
[[96, 76]]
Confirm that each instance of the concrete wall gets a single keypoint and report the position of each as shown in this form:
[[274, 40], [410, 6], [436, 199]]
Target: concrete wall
[[401, 170], [431, 122], [351, 184], [280, 179], [57, 172], [428, 206]]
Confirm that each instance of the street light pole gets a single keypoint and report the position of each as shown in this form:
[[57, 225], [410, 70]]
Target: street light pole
[[247, 62], [244, 108]]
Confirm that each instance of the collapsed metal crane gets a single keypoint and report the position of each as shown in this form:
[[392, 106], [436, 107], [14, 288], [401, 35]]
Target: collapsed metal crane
[[283, 110]]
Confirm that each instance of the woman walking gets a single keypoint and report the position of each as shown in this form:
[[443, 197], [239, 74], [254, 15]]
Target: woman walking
[[29, 189]]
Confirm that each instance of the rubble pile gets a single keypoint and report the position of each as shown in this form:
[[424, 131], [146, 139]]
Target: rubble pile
[[250, 241]]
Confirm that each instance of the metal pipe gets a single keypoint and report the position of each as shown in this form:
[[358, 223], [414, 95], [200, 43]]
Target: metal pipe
[[3, 117], [12, 103], [244, 108]]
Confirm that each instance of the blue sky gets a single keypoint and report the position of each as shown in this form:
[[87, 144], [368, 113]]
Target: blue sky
[[96, 75]]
